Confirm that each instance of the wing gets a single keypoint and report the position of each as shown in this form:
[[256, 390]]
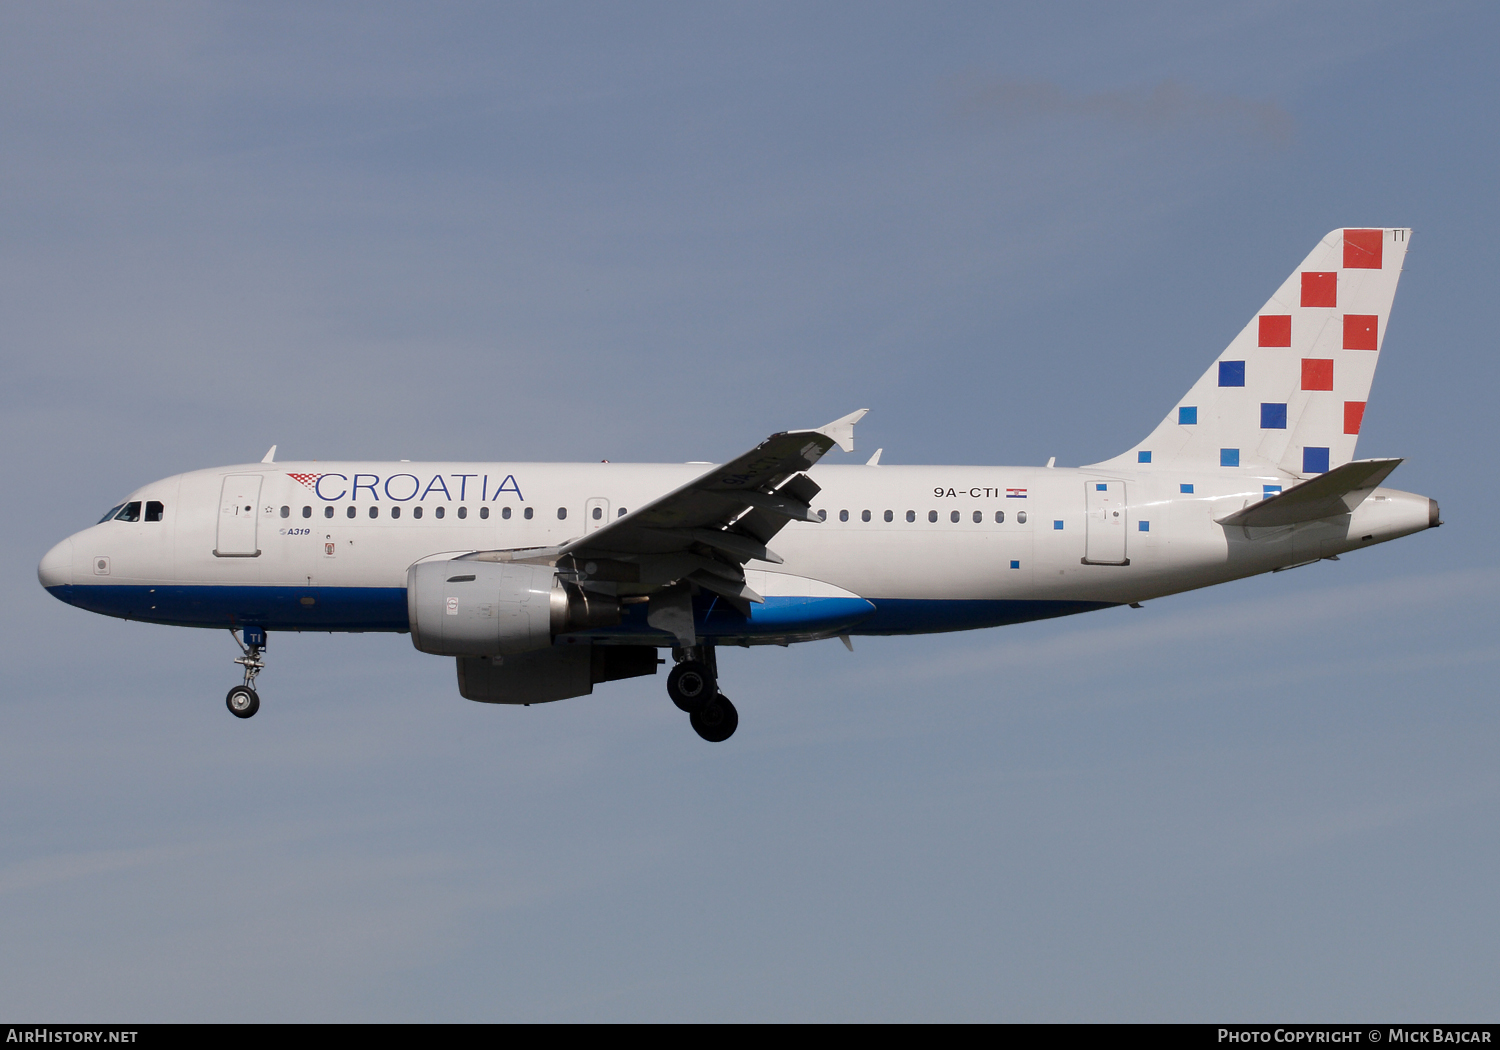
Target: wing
[[705, 531]]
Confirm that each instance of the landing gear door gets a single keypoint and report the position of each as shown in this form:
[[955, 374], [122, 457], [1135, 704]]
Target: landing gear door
[[595, 514], [1104, 543], [239, 509]]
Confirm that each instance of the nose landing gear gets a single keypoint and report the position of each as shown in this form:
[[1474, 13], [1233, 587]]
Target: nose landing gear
[[693, 686], [242, 700]]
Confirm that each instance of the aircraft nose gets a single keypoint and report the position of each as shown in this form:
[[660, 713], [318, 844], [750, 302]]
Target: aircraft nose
[[56, 569]]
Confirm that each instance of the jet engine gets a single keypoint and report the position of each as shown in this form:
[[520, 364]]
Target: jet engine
[[486, 608]]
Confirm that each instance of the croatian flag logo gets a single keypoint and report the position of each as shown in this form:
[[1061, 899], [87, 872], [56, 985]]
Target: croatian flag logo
[[1015, 493], [307, 479]]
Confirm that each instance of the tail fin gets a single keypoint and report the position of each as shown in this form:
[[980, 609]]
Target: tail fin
[[1289, 393]]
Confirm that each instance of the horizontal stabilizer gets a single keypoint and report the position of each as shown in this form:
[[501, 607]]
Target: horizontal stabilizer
[[1326, 496]]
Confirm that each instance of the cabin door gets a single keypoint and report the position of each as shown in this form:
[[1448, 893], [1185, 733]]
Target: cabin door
[[1105, 540], [239, 509]]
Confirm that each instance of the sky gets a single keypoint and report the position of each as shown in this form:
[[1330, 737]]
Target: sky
[[660, 232]]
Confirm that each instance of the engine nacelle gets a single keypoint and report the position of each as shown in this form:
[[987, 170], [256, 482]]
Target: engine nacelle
[[486, 608]]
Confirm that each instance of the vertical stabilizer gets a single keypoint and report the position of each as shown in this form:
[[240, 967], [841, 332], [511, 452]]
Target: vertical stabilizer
[[1288, 395]]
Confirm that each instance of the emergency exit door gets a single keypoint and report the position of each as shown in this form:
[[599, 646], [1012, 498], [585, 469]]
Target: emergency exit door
[[239, 509], [595, 514], [1104, 542]]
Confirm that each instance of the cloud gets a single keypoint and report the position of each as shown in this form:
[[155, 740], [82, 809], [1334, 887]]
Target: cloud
[[1167, 106]]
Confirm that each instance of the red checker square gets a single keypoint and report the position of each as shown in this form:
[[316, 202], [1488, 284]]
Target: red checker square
[[1360, 331], [1362, 249], [1320, 289], [1275, 329], [1317, 373], [1354, 415]]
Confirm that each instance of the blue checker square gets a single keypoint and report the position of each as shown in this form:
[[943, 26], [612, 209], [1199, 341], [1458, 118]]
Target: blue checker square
[[1144, 526], [1269, 490], [1185, 488], [1187, 417], [1272, 417], [1231, 373], [1229, 457], [1015, 565], [1143, 457], [1315, 461], [1057, 525]]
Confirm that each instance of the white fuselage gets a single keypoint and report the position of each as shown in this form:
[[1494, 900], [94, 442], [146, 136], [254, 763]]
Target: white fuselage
[[933, 548]]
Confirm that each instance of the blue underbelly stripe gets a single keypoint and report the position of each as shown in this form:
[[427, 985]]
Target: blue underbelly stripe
[[384, 609]]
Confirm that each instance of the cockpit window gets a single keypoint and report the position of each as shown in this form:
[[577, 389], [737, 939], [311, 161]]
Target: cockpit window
[[154, 510], [110, 513], [130, 511]]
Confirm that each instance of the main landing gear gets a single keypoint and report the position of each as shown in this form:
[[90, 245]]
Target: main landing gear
[[242, 700], [693, 686]]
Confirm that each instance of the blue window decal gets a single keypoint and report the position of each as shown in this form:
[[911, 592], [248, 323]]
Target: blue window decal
[[1187, 417], [1272, 417], [1269, 490], [1057, 525], [1229, 457], [1315, 461], [1231, 373], [1101, 488], [1144, 526], [1143, 457], [1186, 488], [1015, 565]]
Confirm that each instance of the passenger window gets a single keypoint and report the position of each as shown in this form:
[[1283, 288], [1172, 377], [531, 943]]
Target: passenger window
[[463, 512], [822, 515], [286, 512], [864, 516], [527, 513], [1021, 517], [484, 512], [598, 513], [953, 516], [932, 515], [440, 512], [889, 516], [307, 512], [978, 516], [395, 512], [505, 513], [620, 513], [911, 515], [374, 512], [154, 510], [999, 517], [328, 511], [130, 512], [349, 513], [843, 515], [562, 513], [416, 512]]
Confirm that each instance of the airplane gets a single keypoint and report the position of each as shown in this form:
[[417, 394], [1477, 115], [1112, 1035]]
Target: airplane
[[543, 580]]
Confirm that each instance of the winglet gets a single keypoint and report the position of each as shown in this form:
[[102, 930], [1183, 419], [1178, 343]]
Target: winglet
[[841, 430], [270, 457], [874, 461]]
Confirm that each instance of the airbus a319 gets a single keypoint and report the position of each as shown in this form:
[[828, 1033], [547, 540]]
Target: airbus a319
[[543, 580]]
